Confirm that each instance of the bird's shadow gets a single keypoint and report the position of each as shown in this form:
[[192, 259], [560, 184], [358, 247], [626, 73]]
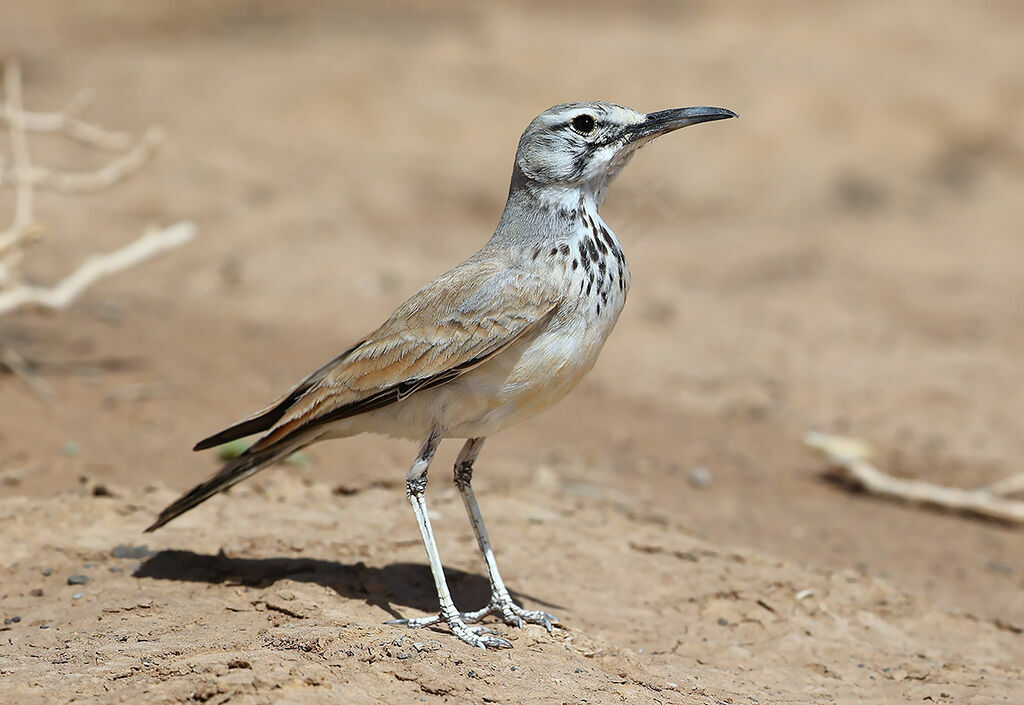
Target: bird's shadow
[[397, 584]]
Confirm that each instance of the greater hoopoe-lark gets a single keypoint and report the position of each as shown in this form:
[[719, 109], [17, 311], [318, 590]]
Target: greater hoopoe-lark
[[493, 341]]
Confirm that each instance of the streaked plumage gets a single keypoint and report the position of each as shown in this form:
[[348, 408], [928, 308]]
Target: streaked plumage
[[498, 338]]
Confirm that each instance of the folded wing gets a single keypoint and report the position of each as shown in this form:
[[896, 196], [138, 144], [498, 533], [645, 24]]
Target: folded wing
[[459, 321]]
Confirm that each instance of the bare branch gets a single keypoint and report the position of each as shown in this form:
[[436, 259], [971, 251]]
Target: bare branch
[[70, 288], [13, 112], [21, 173], [89, 181], [68, 122], [849, 456]]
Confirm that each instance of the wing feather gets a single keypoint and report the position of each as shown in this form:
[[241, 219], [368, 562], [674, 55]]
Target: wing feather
[[457, 322]]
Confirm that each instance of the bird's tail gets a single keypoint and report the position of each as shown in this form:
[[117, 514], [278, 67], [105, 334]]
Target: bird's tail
[[234, 471]]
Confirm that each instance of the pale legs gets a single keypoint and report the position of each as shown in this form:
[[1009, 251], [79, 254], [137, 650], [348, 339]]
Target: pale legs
[[415, 488], [501, 602]]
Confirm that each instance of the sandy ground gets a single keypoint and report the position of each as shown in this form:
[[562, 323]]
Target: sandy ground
[[845, 257]]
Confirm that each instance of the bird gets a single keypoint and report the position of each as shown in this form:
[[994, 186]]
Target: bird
[[500, 337]]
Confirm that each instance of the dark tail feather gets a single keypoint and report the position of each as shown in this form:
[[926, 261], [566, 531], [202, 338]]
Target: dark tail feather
[[263, 420], [243, 428], [244, 466]]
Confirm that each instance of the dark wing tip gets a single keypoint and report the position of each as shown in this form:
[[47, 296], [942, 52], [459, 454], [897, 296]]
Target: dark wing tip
[[206, 443]]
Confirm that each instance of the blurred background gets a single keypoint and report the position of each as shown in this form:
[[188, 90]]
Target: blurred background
[[845, 257]]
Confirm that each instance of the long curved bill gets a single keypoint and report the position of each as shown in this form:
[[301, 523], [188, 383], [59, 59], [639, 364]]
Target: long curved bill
[[665, 121]]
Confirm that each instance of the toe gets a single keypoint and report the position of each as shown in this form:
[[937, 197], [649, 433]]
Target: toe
[[495, 642], [416, 623]]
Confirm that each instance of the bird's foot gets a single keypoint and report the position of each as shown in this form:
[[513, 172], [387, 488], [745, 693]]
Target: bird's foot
[[512, 614], [501, 605], [480, 637]]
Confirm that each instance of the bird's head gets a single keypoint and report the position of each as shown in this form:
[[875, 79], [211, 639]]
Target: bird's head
[[581, 147]]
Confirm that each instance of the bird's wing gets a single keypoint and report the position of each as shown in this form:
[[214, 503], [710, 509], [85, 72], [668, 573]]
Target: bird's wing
[[458, 321]]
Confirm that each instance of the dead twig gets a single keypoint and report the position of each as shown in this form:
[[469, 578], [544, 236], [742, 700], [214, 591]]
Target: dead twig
[[67, 290], [89, 181], [21, 227], [69, 123], [849, 457], [25, 177]]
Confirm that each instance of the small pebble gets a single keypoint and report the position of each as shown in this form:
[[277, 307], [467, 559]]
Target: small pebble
[[47, 571], [403, 655], [12, 620], [723, 621], [418, 645], [700, 477], [44, 626], [70, 449], [124, 551], [116, 569], [78, 579], [77, 596], [472, 674], [36, 592]]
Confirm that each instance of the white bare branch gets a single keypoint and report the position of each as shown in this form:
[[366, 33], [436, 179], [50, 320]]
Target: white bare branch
[[88, 181], [849, 456], [26, 177], [68, 122], [13, 112], [151, 243]]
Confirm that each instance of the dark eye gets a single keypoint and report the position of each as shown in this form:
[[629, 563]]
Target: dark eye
[[584, 124]]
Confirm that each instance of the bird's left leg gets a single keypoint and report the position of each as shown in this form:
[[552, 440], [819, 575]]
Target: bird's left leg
[[415, 488], [501, 602]]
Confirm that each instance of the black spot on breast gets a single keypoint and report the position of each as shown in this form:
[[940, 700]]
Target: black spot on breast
[[554, 251], [592, 250], [584, 256], [575, 263], [564, 249], [602, 266], [599, 309], [536, 253]]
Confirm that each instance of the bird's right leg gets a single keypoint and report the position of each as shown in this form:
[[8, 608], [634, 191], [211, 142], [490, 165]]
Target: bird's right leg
[[415, 489], [501, 602]]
